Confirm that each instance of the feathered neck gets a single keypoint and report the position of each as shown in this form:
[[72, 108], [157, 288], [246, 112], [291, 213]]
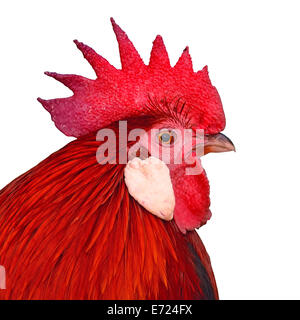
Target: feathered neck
[[70, 230]]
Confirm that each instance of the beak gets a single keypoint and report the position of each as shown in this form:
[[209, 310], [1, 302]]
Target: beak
[[217, 143]]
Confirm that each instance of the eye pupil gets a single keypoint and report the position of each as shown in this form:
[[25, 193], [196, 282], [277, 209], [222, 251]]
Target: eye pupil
[[165, 137]]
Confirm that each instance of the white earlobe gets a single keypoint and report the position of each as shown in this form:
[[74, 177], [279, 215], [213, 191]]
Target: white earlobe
[[149, 183]]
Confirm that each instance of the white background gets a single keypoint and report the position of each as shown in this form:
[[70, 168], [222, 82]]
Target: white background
[[252, 50]]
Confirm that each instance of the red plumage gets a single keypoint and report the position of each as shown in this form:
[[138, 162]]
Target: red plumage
[[70, 230]]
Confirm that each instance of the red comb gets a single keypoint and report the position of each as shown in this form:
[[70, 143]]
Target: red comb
[[120, 94]]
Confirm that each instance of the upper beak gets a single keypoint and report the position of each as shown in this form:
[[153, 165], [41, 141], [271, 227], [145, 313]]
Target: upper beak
[[217, 143]]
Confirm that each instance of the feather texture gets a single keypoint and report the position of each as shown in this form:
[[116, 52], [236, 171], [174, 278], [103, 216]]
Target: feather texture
[[70, 230]]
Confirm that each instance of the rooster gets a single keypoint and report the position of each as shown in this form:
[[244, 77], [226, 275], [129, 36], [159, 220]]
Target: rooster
[[75, 228]]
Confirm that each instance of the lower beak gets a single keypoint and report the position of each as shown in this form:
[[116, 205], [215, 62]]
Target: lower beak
[[217, 143]]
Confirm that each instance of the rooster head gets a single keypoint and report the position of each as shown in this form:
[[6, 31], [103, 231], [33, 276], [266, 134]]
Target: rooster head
[[163, 101]]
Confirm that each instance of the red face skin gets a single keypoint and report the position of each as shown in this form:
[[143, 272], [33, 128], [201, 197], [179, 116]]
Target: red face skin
[[182, 155], [191, 190]]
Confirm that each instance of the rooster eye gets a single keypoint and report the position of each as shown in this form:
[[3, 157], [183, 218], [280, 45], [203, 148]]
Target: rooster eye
[[166, 137]]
